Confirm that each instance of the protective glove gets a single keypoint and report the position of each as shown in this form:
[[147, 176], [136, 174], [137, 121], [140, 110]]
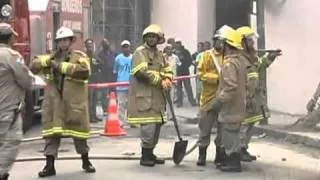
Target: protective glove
[[166, 83], [311, 104], [272, 55], [217, 105]]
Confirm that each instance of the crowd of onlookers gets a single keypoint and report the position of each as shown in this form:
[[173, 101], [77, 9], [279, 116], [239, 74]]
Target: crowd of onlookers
[[110, 66]]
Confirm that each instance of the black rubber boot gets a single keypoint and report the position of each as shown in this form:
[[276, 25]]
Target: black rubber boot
[[156, 159], [220, 157], [246, 156], [232, 163], [147, 158], [49, 169], [4, 176], [202, 156], [86, 164]]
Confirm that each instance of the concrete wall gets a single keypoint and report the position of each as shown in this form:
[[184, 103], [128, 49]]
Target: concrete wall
[[206, 20], [294, 28]]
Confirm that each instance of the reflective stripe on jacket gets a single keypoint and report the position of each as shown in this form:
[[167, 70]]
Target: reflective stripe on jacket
[[146, 101], [65, 113]]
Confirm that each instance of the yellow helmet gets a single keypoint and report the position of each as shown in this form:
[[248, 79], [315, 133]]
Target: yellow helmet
[[232, 37], [247, 31], [154, 29]]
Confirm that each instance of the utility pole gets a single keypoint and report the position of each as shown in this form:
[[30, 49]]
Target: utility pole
[[262, 45], [56, 20], [103, 18], [136, 23]]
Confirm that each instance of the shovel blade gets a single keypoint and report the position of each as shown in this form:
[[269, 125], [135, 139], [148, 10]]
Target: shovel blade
[[179, 151]]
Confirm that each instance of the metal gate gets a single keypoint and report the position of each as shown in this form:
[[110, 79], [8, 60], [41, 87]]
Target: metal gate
[[119, 20]]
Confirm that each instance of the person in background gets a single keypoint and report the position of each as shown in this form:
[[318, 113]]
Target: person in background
[[171, 41], [107, 58], [122, 68], [173, 62], [207, 45], [94, 78], [197, 57], [14, 82], [194, 56], [183, 70]]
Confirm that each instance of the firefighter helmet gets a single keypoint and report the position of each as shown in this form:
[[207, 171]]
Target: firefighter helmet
[[232, 37], [64, 32], [247, 31], [154, 29]]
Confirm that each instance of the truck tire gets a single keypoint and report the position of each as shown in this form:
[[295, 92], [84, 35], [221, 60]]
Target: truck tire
[[28, 114]]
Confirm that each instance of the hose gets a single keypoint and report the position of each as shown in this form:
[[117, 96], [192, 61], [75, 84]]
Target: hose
[[192, 149], [74, 157]]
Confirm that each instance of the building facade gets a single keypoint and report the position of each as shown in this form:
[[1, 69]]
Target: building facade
[[289, 25]]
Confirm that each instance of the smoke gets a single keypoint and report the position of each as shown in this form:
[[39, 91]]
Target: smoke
[[274, 7]]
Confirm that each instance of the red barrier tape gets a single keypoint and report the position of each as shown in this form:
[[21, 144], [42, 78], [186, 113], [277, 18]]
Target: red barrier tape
[[121, 84], [116, 84]]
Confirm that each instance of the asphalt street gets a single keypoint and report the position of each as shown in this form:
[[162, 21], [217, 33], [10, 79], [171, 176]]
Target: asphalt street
[[276, 160]]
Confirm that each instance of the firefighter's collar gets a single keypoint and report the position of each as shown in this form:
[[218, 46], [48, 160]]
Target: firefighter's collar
[[148, 47]]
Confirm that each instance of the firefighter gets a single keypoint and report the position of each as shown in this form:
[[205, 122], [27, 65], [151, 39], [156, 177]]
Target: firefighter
[[209, 75], [14, 81], [254, 97], [151, 76], [230, 100], [65, 105]]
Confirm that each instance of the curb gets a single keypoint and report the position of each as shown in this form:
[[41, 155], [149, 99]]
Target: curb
[[288, 136], [272, 132]]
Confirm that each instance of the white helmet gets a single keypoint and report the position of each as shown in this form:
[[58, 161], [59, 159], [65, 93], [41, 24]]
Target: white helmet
[[64, 32]]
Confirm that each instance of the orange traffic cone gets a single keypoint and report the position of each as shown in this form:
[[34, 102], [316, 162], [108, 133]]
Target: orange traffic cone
[[112, 125]]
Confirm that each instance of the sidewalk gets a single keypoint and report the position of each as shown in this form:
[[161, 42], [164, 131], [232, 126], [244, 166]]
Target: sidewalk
[[277, 127]]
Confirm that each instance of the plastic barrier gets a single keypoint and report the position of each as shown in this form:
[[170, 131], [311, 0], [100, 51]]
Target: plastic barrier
[[114, 84]]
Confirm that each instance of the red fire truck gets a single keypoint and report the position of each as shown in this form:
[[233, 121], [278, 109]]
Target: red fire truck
[[17, 14]]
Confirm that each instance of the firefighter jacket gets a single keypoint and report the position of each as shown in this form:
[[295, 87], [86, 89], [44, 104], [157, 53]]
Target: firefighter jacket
[[14, 79], [232, 89], [209, 76], [146, 101], [65, 105], [254, 96]]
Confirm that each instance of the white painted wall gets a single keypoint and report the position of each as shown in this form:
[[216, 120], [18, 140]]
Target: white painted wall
[[178, 18], [292, 79], [206, 20]]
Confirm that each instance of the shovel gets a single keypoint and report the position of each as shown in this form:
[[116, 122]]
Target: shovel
[[180, 147]]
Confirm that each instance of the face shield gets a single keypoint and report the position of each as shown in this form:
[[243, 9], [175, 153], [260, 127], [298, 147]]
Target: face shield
[[252, 41]]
